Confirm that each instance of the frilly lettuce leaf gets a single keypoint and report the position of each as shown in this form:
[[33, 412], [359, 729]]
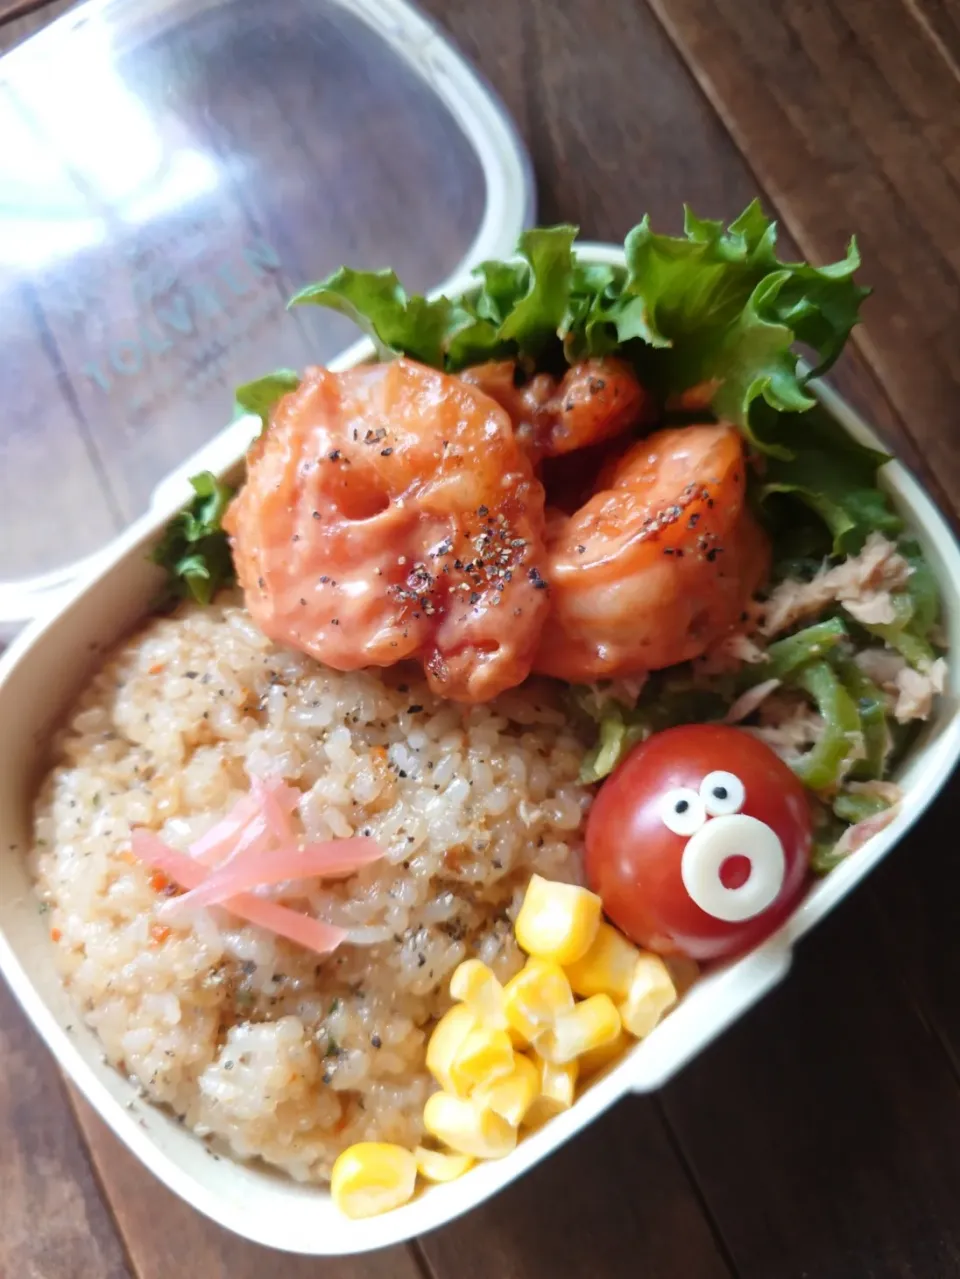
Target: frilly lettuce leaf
[[194, 549], [260, 396], [831, 474], [377, 302], [713, 306], [717, 306]]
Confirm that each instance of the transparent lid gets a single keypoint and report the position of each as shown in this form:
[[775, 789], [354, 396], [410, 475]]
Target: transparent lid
[[171, 170]]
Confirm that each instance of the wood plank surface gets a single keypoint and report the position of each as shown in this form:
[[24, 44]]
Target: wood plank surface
[[917, 894], [824, 1132], [614, 1202], [167, 1238], [53, 1222], [819, 1138], [21, 18]]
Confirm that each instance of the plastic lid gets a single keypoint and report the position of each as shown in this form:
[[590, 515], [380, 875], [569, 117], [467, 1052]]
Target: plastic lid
[[171, 171]]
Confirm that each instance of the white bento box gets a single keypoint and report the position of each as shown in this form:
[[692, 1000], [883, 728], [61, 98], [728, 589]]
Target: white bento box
[[44, 668]]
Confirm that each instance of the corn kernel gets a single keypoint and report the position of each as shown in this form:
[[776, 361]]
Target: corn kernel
[[475, 985], [535, 997], [651, 993], [468, 1128], [596, 1059], [513, 1095], [449, 1035], [372, 1177], [557, 1091], [558, 1083], [557, 921], [607, 967], [590, 1024], [441, 1165], [485, 1055]]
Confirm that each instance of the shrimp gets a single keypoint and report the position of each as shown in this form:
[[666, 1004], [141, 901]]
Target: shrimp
[[658, 564], [389, 513], [596, 400]]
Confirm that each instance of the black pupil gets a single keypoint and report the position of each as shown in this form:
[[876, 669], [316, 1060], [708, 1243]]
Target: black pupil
[[719, 792], [682, 805]]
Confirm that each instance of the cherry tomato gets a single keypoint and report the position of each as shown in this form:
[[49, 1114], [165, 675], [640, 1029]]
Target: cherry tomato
[[699, 843]]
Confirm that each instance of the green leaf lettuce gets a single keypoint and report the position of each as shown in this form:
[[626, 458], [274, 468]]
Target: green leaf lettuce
[[194, 549]]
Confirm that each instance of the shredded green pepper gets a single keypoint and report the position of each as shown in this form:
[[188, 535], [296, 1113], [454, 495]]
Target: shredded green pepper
[[825, 763], [825, 857], [922, 589], [666, 701], [917, 609], [853, 808], [790, 654], [901, 635], [873, 720], [615, 738], [827, 832]]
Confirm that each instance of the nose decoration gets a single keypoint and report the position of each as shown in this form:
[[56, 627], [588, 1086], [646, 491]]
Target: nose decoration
[[716, 841]]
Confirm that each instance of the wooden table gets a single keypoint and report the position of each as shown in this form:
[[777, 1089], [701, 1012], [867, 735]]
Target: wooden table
[[821, 1136]]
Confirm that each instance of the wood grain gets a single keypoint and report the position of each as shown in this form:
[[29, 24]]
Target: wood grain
[[917, 892], [21, 18], [614, 1202], [850, 115], [824, 1131], [166, 1237], [53, 1221], [940, 20]]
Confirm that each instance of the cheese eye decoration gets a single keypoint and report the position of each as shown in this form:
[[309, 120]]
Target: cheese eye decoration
[[722, 793], [683, 811]]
